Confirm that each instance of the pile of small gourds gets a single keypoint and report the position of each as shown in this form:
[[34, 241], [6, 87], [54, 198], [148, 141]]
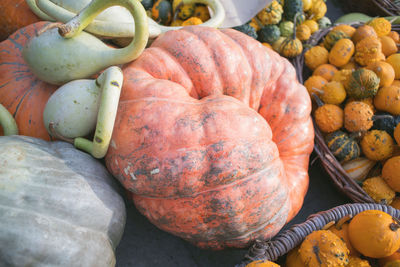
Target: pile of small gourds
[[356, 88], [284, 24], [348, 242], [175, 13]]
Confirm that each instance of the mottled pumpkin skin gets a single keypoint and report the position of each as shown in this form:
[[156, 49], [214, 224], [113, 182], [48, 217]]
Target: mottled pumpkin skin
[[213, 136], [14, 14], [24, 95]]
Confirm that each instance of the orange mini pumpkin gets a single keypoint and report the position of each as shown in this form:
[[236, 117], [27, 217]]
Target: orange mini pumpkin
[[374, 233]]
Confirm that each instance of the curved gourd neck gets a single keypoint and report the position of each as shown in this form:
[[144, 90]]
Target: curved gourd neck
[[112, 56], [7, 122]]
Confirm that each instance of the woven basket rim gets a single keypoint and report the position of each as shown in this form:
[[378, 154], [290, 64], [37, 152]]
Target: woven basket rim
[[287, 240], [387, 7], [331, 165]]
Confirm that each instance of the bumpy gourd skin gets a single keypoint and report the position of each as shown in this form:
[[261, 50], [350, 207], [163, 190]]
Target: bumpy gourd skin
[[358, 116], [378, 190], [377, 145], [325, 249], [213, 137]]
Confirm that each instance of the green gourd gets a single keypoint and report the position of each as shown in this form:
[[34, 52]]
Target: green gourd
[[59, 206], [324, 23], [116, 21], [162, 12], [66, 53], [7, 122], [291, 8], [362, 83], [80, 106], [342, 146], [286, 28], [269, 34]]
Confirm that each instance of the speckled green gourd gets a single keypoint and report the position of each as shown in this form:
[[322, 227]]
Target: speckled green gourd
[[342, 146]]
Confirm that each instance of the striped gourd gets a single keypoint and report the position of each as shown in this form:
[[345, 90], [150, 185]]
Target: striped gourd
[[358, 168], [342, 146]]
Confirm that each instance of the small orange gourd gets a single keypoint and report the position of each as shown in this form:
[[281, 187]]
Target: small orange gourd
[[396, 83], [341, 229], [357, 262], [293, 259], [324, 248], [312, 24], [369, 50], [395, 36], [342, 76], [389, 46], [358, 116], [192, 21], [351, 65], [303, 32], [394, 60], [388, 99], [374, 233], [377, 145], [363, 32], [396, 204], [316, 56], [333, 93], [347, 29], [384, 71], [381, 26], [391, 173], [262, 263], [314, 84], [341, 52], [329, 118], [378, 190], [326, 71]]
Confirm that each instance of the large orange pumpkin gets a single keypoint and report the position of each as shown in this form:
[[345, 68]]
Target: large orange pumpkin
[[14, 14], [21, 92], [213, 136]]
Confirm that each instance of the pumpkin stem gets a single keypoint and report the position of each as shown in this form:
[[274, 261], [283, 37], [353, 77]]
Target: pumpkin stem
[[48, 27], [114, 56], [7, 122], [110, 82], [318, 100], [394, 226], [53, 132]]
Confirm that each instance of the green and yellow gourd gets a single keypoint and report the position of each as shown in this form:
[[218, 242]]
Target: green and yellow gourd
[[272, 14], [332, 37], [286, 28], [362, 83], [183, 11], [269, 34], [343, 147], [291, 8], [162, 12]]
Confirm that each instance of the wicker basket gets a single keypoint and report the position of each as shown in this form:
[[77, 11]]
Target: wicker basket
[[287, 240], [372, 7], [332, 166]]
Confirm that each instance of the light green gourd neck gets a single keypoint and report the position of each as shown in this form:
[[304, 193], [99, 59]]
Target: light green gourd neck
[[112, 56], [50, 11], [110, 83], [7, 122]]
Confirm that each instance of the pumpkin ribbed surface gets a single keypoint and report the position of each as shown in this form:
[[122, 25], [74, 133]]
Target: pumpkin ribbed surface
[[213, 136], [24, 95]]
